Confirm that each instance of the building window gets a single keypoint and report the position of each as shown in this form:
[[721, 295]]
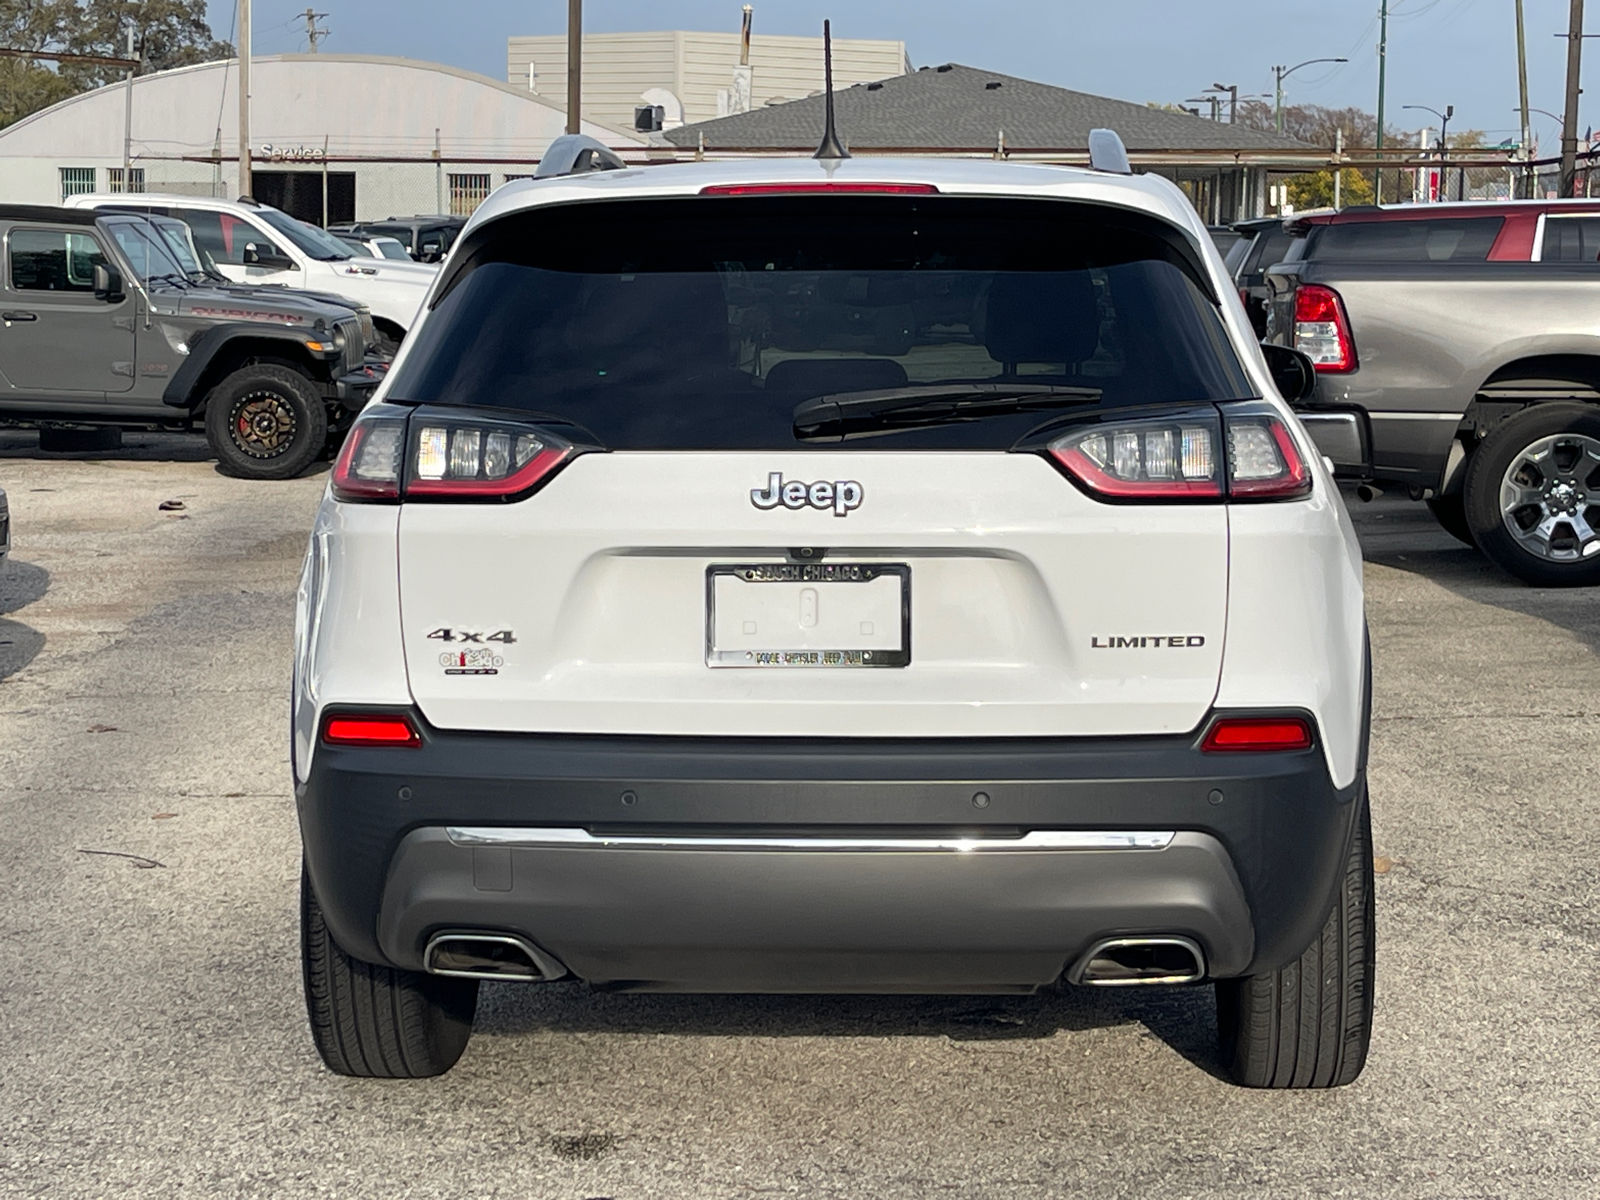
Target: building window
[[135, 179], [75, 181], [466, 193]]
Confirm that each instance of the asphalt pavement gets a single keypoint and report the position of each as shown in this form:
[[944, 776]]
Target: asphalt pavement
[[153, 1039]]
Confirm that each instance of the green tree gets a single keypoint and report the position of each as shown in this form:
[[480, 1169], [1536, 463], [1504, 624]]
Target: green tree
[[1315, 189], [167, 33]]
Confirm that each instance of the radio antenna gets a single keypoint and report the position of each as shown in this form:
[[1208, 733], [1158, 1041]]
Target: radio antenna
[[830, 147]]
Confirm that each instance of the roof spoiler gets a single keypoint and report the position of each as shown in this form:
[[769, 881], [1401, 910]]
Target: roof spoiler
[[1107, 153], [577, 154]]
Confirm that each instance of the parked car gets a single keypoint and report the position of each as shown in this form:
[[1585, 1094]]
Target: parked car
[[1262, 243], [1458, 356], [105, 322], [253, 243], [426, 239], [373, 247], [912, 583]]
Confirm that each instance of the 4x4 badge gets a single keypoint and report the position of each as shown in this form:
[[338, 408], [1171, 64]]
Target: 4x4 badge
[[841, 495]]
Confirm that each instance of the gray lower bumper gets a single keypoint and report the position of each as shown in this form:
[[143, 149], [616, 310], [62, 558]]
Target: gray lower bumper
[[767, 919]]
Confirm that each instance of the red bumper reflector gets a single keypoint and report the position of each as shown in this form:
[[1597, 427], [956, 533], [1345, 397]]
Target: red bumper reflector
[[779, 189], [1258, 733], [358, 730]]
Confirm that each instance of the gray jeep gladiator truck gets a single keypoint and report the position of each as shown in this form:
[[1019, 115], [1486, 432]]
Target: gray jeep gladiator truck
[[109, 319], [1457, 350]]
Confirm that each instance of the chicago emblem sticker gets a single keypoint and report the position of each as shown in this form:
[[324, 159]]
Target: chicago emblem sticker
[[470, 655]]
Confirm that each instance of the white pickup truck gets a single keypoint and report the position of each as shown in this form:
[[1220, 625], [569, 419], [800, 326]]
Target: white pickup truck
[[255, 243]]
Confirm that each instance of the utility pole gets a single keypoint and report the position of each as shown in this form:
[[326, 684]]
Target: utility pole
[[574, 64], [1569, 123], [1525, 187], [1383, 65], [244, 97], [127, 121], [313, 34]]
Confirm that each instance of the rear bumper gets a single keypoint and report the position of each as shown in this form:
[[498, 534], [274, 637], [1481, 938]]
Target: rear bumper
[[698, 864]]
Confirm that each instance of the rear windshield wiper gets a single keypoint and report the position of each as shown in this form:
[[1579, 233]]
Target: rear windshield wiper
[[871, 414]]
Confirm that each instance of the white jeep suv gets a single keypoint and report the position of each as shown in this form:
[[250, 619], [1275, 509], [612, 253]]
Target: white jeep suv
[[877, 576]]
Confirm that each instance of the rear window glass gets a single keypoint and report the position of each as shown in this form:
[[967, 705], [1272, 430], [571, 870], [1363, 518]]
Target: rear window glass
[[1269, 249], [1571, 239], [1467, 239], [702, 323]]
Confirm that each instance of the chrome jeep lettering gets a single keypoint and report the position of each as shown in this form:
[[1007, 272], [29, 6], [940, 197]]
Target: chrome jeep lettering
[[841, 495]]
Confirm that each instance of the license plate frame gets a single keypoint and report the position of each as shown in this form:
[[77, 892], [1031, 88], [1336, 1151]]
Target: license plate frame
[[840, 574]]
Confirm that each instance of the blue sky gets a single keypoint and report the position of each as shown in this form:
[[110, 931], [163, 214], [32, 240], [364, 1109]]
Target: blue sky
[[1460, 52]]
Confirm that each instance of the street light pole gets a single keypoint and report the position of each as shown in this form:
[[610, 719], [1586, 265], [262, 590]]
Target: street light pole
[[1282, 73], [127, 120], [1525, 189], [1233, 99], [244, 98], [1444, 146], [1383, 66]]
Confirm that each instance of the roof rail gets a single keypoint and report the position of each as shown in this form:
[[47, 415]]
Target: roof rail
[[576, 154], [1107, 153]]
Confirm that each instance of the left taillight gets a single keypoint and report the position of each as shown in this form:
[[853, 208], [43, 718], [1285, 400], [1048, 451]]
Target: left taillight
[[1237, 451], [370, 729], [432, 457]]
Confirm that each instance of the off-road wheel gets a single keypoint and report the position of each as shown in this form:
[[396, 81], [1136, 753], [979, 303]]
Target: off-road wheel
[[266, 422], [1533, 495], [379, 1022], [1451, 513], [1309, 1024]]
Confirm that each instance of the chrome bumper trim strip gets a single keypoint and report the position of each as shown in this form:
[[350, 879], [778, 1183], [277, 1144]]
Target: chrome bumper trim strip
[[1042, 839]]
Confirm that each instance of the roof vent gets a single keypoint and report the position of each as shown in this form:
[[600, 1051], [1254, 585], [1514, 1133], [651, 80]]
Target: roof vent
[[576, 154], [946, 67], [876, 86], [1107, 153], [991, 85]]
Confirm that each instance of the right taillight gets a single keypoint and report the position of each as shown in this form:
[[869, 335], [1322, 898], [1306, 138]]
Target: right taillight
[[1257, 734], [429, 456], [1321, 329], [1240, 451]]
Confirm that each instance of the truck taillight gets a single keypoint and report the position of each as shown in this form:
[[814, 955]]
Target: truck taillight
[[432, 457], [1193, 457], [1321, 329]]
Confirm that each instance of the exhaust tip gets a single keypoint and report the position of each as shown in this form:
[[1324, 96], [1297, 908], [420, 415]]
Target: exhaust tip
[[468, 955], [1137, 961]]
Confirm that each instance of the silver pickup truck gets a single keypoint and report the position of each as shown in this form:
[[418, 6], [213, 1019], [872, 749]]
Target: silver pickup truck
[[1457, 350]]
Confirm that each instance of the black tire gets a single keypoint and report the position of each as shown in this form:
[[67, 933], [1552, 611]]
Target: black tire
[[266, 422], [379, 1022], [1309, 1025], [1451, 513], [1502, 462]]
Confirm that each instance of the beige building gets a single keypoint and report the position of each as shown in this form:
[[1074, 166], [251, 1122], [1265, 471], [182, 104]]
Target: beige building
[[622, 71]]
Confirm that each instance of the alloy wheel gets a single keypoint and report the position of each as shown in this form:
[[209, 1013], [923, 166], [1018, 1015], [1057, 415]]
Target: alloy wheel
[[1550, 498], [263, 424]]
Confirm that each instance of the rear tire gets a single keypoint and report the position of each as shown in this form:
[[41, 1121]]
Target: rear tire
[[379, 1022], [1533, 495], [266, 422], [1309, 1025], [1451, 513]]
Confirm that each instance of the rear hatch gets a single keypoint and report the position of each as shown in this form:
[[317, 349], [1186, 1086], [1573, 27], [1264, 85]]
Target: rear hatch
[[850, 465]]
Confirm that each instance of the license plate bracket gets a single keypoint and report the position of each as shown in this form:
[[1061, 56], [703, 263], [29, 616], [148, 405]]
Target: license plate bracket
[[808, 615]]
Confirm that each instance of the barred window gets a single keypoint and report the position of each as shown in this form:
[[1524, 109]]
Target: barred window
[[466, 193], [75, 181], [135, 179]]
